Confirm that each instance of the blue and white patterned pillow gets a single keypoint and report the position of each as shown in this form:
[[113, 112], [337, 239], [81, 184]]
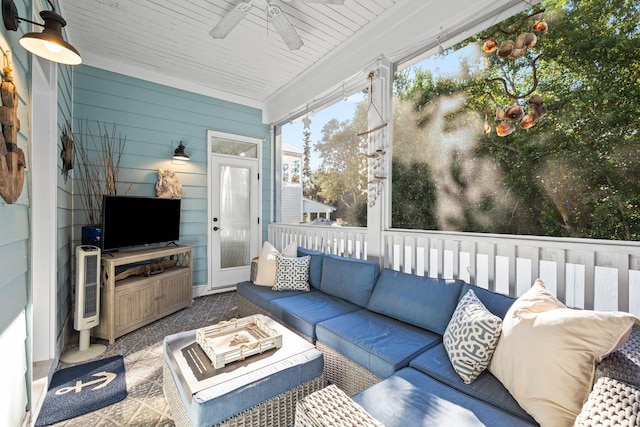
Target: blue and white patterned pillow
[[471, 337], [292, 274]]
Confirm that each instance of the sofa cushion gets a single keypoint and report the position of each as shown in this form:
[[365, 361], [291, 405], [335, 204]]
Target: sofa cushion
[[471, 337], [411, 398], [380, 344], [496, 303], [266, 275], [304, 311], [315, 268], [292, 274], [420, 301], [547, 352], [486, 387], [262, 295], [348, 278]]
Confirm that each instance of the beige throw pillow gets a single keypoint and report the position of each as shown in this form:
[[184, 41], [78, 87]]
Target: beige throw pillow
[[547, 353], [266, 274]]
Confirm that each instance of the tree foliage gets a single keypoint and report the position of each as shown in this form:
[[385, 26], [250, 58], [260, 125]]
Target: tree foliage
[[340, 176], [576, 173]]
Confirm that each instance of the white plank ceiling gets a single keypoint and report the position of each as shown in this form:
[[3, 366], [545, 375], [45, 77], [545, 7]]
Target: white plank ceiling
[[168, 42], [171, 38]]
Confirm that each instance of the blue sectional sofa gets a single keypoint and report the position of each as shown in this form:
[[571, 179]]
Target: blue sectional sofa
[[381, 336]]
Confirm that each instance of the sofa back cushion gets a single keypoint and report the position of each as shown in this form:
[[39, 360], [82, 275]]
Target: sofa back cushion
[[421, 301], [315, 267], [348, 278], [496, 303]]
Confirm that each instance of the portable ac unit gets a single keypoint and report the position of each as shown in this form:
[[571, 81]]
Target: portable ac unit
[[87, 312]]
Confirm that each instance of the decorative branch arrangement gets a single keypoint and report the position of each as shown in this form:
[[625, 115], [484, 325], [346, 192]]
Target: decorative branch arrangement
[[512, 50], [98, 171]]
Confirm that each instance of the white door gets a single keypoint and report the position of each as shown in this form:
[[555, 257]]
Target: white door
[[234, 215]]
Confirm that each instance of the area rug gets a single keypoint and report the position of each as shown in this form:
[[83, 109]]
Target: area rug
[[82, 389]]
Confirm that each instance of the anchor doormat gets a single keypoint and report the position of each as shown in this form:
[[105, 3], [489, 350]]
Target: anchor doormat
[[83, 388]]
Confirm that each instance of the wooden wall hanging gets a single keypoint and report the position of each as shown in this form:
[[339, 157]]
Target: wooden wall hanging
[[12, 160], [66, 154]]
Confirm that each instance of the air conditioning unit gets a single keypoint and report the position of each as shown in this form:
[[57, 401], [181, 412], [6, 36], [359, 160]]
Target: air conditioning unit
[[87, 312]]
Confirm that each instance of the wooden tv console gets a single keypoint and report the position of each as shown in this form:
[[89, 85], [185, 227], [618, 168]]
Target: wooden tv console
[[128, 304]]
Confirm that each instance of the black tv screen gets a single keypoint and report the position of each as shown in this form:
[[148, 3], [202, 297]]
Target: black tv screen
[[135, 221]]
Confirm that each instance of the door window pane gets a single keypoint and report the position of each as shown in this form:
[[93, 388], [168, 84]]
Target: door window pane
[[235, 214]]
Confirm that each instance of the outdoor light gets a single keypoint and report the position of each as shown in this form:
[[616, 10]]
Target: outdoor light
[[48, 44], [179, 154]]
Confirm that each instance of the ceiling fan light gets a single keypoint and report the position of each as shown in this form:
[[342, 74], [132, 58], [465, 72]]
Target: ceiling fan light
[[230, 21], [284, 27]]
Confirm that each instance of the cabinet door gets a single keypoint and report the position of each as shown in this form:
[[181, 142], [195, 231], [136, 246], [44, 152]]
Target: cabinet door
[[136, 305], [175, 292]]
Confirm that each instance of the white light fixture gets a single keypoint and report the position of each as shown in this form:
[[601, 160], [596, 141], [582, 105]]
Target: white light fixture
[[49, 43]]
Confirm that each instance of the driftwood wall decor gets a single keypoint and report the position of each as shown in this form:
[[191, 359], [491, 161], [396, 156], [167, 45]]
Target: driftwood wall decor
[[168, 186], [12, 160]]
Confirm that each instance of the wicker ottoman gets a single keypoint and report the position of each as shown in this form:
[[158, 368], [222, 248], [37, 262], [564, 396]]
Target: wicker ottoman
[[331, 407], [260, 391]]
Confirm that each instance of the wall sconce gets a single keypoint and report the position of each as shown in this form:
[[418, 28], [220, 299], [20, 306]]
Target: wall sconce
[[48, 44], [179, 154]]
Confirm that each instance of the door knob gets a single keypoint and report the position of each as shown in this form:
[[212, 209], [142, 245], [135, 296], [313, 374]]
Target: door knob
[[216, 228]]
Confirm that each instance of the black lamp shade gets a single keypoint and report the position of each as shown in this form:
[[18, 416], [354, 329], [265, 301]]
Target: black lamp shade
[[50, 44], [179, 154]]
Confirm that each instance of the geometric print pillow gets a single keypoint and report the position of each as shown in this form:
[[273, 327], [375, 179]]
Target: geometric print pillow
[[471, 337], [292, 274]]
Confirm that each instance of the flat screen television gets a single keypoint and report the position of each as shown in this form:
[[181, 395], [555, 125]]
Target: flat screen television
[[129, 221]]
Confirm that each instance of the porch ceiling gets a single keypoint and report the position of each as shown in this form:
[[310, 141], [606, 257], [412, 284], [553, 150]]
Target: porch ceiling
[[167, 41]]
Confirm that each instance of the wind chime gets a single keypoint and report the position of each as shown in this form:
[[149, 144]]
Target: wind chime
[[376, 170], [512, 49]]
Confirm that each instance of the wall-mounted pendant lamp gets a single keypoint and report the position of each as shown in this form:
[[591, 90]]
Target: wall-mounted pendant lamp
[[179, 154], [48, 44]]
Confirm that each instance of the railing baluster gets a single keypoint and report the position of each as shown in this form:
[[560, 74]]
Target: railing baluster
[[528, 257]]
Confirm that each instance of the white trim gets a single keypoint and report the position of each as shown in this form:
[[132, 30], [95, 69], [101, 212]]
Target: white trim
[[44, 156], [258, 238]]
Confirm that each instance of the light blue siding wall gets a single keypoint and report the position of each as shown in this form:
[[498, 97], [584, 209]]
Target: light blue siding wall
[[153, 118], [14, 219]]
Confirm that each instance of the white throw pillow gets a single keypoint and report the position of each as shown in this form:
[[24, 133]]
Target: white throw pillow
[[266, 275], [471, 337], [547, 353]]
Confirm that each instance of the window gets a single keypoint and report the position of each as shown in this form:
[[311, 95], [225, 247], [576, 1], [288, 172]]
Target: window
[[576, 173], [323, 167]]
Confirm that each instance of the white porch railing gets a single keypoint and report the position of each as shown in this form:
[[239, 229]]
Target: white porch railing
[[591, 274]]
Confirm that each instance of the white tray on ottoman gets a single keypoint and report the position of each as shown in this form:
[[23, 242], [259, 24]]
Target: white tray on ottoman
[[259, 391], [237, 339]]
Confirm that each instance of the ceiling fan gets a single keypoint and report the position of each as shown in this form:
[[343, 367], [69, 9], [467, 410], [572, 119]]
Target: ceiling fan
[[275, 15]]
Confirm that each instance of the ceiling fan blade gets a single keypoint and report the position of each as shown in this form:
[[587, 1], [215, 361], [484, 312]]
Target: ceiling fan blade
[[324, 1], [284, 27], [229, 22], [339, 2]]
